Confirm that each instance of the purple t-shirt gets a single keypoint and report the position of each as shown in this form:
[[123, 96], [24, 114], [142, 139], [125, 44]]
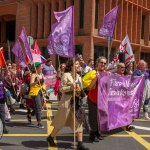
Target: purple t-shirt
[[48, 70]]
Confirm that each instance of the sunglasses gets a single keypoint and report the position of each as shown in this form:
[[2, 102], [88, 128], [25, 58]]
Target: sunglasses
[[103, 63]]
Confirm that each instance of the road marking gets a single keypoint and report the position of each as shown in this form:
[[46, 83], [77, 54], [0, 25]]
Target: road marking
[[49, 127], [142, 120], [23, 120], [142, 128], [21, 135], [85, 135], [139, 139]]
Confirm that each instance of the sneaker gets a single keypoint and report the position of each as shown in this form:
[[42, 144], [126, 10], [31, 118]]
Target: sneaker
[[33, 113], [146, 116], [39, 125], [29, 118], [50, 141], [93, 138], [5, 131], [130, 128], [99, 136], [8, 120]]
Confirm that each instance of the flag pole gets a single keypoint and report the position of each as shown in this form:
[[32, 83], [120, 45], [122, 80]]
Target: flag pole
[[74, 102], [7, 70], [74, 79], [109, 48], [9, 53], [58, 60]]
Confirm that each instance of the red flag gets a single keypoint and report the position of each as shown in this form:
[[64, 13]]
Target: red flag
[[2, 61], [36, 49], [27, 60]]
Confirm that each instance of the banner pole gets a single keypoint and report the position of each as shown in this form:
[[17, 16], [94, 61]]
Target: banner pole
[[58, 61], [7, 70], [74, 103], [109, 48], [9, 53]]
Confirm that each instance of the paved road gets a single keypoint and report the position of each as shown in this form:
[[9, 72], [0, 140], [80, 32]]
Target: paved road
[[23, 136]]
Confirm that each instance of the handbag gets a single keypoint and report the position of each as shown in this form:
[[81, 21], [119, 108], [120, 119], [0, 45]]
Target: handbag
[[10, 100], [79, 111]]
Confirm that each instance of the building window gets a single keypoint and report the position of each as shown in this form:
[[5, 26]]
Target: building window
[[142, 29], [100, 50], [96, 13], [78, 49], [81, 14], [143, 56], [65, 4], [44, 52], [10, 28]]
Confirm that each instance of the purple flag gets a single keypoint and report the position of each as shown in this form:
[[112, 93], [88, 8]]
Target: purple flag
[[17, 50], [23, 37], [61, 39], [119, 100], [109, 21]]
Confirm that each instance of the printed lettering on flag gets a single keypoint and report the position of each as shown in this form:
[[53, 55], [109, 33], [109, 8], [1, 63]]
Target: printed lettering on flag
[[61, 39], [119, 100], [109, 21]]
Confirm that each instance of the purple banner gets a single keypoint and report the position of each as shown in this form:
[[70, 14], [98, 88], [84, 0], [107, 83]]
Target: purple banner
[[119, 100], [23, 37], [17, 50], [109, 21], [61, 39]]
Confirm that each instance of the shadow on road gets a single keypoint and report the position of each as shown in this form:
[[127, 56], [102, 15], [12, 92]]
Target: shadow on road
[[7, 144], [65, 142], [35, 144]]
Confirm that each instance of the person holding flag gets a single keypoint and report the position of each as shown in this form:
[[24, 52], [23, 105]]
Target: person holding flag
[[65, 113], [61, 42], [37, 87]]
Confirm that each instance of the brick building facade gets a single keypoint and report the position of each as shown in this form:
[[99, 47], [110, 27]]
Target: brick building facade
[[37, 17]]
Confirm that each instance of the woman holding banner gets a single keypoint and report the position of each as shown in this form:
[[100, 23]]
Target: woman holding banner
[[125, 69], [95, 136], [128, 68], [142, 70], [65, 113]]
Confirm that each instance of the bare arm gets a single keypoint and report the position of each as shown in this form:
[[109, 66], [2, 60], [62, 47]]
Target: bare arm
[[32, 80], [93, 83]]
